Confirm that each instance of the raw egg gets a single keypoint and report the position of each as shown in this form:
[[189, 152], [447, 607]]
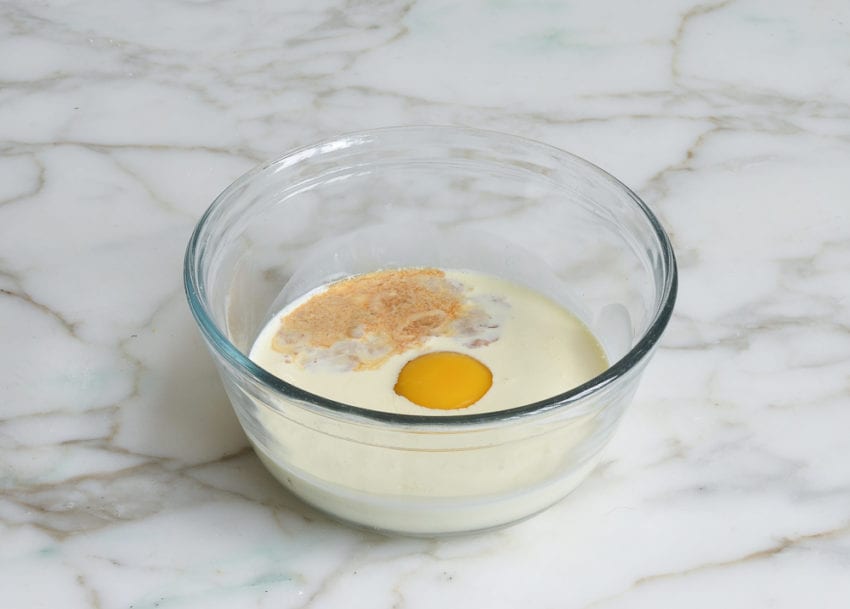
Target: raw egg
[[444, 380]]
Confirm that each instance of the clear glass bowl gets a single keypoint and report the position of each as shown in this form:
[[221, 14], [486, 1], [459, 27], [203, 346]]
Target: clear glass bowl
[[438, 197]]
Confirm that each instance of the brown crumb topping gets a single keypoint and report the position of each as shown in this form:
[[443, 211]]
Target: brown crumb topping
[[368, 318]]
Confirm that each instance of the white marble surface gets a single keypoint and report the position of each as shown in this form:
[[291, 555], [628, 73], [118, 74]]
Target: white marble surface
[[125, 481]]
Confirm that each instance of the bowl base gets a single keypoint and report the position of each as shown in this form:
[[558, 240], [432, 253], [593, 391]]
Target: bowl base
[[422, 516]]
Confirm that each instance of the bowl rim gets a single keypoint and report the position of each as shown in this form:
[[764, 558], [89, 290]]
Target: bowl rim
[[195, 291]]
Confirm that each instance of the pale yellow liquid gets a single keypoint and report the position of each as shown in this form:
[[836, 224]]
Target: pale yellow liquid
[[391, 479], [541, 350]]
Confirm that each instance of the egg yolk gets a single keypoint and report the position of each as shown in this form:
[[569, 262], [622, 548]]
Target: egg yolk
[[444, 380]]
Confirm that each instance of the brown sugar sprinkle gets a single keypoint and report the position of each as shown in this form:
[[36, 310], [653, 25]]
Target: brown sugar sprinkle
[[383, 313]]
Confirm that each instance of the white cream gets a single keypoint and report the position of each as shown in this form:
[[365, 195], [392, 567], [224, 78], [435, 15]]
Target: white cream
[[437, 482], [541, 350]]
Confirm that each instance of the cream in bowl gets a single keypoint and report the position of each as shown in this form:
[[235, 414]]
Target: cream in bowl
[[430, 330], [426, 341]]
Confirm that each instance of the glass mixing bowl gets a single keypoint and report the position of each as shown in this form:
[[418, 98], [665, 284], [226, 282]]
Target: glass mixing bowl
[[430, 197]]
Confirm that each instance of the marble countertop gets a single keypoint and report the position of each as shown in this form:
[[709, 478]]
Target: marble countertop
[[125, 480]]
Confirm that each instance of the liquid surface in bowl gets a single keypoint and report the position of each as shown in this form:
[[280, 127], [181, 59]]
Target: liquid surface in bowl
[[429, 341]]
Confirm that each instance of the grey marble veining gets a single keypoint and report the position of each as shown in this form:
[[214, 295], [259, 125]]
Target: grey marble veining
[[125, 480]]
